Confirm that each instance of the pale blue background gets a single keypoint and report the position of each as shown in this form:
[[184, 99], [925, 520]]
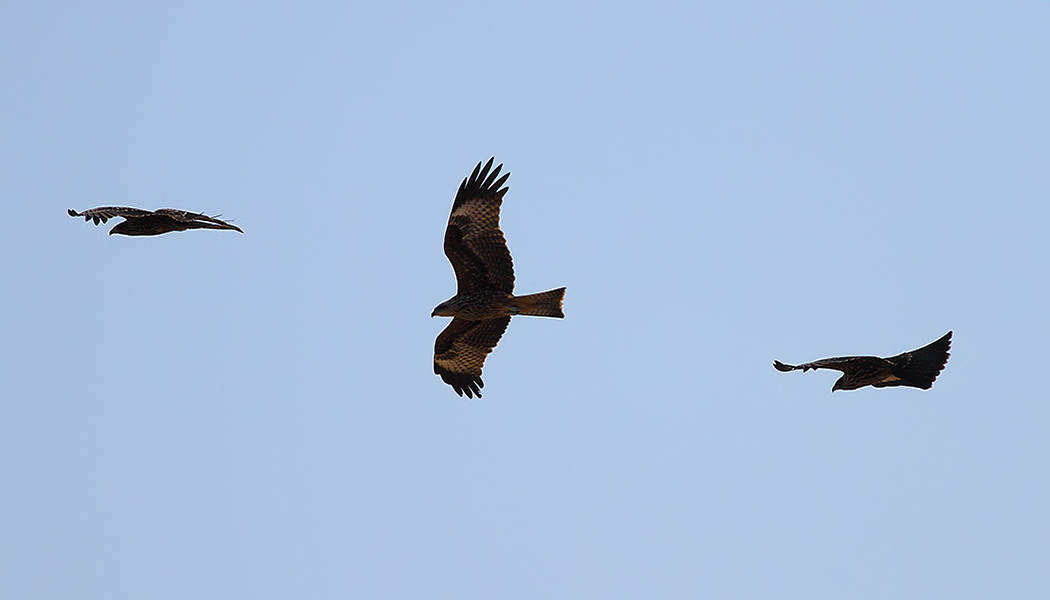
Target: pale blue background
[[210, 415]]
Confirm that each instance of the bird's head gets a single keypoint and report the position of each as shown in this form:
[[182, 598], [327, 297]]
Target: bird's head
[[443, 310], [844, 384]]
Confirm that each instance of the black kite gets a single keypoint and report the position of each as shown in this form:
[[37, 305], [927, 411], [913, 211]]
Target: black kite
[[484, 300], [918, 368], [151, 222]]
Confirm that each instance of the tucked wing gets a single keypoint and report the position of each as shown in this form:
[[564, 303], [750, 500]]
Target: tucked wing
[[196, 220], [919, 368], [105, 213], [460, 352], [474, 242]]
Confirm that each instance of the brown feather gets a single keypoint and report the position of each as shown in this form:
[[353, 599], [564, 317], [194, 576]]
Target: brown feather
[[484, 299], [918, 368], [461, 349], [474, 242], [144, 222]]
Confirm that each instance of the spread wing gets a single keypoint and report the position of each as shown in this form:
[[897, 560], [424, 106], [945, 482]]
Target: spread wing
[[105, 213], [198, 220], [919, 368], [474, 242], [460, 352]]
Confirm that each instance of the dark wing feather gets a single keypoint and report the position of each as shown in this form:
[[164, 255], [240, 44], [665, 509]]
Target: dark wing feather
[[857, 371], [474, 242], [839, 363], [919, 368], [105, 213], [196, 220], [460, 351]]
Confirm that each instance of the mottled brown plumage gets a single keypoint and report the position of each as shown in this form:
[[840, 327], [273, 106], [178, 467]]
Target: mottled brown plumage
[[151, 222], [918, 368], [484, 300]]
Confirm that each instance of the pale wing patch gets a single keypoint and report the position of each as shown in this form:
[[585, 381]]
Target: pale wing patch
[[460, 351], [463, 359], [482, 215], [470, 208]]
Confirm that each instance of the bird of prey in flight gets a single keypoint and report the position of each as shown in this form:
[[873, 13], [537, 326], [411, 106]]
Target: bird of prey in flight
[[917, 368], [151, 222], [484, 300]]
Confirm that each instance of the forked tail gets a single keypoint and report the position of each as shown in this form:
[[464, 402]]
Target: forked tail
[[544, 304]]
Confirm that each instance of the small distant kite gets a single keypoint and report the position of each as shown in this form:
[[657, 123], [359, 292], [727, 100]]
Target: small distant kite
[[484, 300], [917, 368], [151, 222]]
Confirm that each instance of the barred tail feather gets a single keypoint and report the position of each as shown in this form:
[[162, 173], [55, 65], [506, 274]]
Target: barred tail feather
[[544, 304]]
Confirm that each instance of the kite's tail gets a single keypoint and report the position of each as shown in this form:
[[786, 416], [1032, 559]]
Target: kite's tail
[[544, 304]]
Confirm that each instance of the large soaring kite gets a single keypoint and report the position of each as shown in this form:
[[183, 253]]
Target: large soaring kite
[[484, 300], [917, 368], [151, 222]]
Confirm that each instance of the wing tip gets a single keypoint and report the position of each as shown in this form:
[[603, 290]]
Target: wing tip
[[470, 387], [461, 383], [482, 182]]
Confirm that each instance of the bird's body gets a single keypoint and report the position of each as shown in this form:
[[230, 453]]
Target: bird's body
[[918, 368], [151, 222], [479, 305], [484, 300]]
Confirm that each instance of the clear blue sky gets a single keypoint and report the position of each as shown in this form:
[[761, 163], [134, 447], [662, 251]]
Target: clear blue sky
[[211, 415]]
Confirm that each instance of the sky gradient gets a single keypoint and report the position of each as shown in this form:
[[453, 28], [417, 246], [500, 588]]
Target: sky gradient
[[215, 415]]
